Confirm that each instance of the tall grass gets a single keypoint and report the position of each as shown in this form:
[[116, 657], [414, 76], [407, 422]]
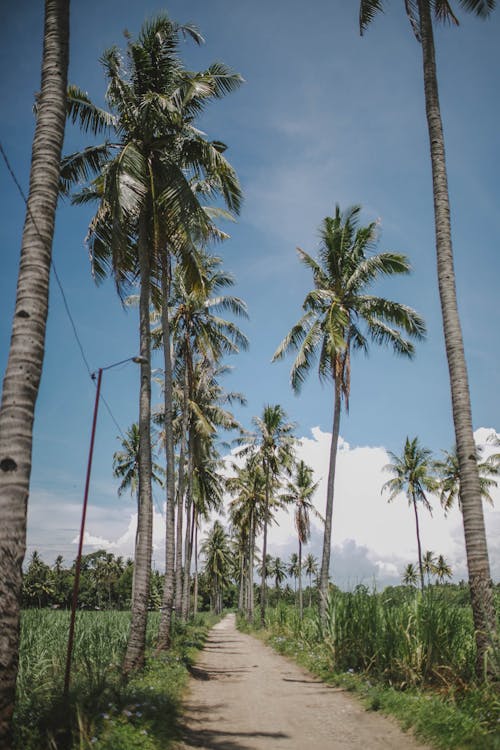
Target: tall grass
[[405, 639], [42, 719]]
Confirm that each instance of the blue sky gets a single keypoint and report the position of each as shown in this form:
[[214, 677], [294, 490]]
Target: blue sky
[[324, 117]]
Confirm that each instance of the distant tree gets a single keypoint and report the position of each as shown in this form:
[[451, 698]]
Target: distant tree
[[410, 575], [449, 478], [310, 569], [294, 570], [429, 564], [413, 477], [299, 493], [441, 569]]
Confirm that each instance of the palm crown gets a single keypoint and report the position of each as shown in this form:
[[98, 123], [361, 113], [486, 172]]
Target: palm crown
[[339, 313]]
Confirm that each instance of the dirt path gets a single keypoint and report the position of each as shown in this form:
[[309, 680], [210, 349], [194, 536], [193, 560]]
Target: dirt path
[[244, 696]]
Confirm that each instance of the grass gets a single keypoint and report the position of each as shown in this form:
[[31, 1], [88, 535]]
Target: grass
[[403, 654], [103, 711]]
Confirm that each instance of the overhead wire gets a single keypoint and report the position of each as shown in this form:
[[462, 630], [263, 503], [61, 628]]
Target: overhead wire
[[91, 373]]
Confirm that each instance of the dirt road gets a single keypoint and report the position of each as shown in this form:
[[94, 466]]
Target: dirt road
[[243, 696]]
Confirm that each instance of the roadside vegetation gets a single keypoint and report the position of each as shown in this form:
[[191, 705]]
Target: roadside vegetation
[[103, 710], [405, 653]]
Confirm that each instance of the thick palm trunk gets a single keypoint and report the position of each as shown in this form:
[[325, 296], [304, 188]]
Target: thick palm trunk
[[419, 545], [470, 492], [24, 367], [164, 633], [327, 537], [263, 591], [301, 607], [134, 655]]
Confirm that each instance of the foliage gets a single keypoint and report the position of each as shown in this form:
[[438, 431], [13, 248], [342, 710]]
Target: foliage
[[103, 712], [407, 654]]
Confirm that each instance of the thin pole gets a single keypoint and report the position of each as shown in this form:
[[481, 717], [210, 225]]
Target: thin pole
[[80, 544]]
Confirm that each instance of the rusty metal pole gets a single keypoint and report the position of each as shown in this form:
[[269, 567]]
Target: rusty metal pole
[[80, 544]]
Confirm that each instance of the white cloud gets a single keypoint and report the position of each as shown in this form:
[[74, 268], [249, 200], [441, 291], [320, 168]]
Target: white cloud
[[373, 540]]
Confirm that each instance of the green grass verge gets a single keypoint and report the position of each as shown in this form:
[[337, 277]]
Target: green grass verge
[[104, 713], [468, 719]]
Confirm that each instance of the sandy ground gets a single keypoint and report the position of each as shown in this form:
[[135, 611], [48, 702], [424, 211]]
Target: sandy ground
[[244, 696]]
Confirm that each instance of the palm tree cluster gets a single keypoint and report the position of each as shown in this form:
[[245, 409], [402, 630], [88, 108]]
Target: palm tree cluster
[[417, 474]]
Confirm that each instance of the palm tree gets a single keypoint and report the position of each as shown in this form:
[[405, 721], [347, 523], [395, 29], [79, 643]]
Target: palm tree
[[294, 570], [310, 569], [483, 606], [148, 210], [429, 564], [299, 492], [449, 474], [200, 334], [412, 475], [218, 557], [277, 571], [331, 327], [126, 463], [24, 367], [441, 569], [410, 576], [248, 488], [272, 446]]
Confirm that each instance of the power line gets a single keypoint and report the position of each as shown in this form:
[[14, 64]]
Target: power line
[[59, 284]]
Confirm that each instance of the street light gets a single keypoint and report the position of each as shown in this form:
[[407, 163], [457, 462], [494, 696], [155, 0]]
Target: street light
[[140, 361]]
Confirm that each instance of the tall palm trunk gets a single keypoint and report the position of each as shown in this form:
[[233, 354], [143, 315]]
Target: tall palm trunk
[[195, 577], [263, 591], [301, 607], [164, 633], [481, 587], [24, 367], [134, 656], [251, 557], [180, 498], [327, 537], [188, 541], [242, 592], [419, 545]]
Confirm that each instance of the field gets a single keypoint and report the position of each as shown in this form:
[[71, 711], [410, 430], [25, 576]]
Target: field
[[404, 653], [103, 712]]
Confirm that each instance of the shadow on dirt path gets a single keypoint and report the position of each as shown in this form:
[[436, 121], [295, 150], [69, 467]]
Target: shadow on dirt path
[[244, 696]]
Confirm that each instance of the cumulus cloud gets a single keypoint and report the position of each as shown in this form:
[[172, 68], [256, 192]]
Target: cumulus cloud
[[372, 540]]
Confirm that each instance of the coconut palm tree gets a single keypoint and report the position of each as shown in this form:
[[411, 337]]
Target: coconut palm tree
[[272, 446], [449, 478], [410, 575], [299, 492], [420, 16], [148, 211], [294, 570], [341, 316], [277, 571], [441, 569], [429, 564], [126, 463], [413, 477], [218, 558], [24, 367], [246, 510], [310, 569]]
